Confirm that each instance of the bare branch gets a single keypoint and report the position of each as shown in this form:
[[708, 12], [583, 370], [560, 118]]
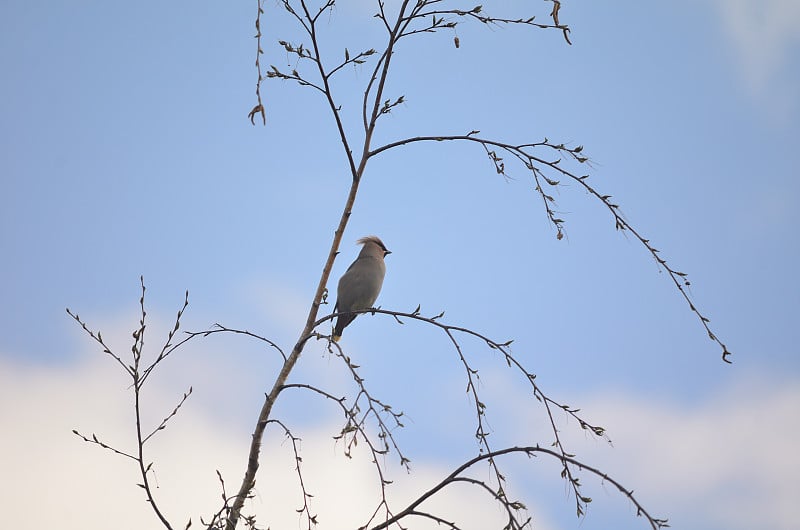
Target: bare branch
[[99, 339], [356, 60], [367, 414], [537, 165], [168, 346], [293, 76], [355, 426], [510, 507], [482, 433], [163, 424], [305, 509], [219, 328], [138, 375], [259, 107], [436, 19], [95, 440], [375, 408]]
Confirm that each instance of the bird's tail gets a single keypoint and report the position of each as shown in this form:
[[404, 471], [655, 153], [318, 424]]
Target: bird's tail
[[341, 322]]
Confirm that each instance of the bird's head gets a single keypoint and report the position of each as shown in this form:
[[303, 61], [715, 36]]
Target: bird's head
[[373, 246]]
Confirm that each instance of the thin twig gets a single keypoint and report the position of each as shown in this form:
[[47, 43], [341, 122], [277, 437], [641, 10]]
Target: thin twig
[[456, 476], [535, 163]]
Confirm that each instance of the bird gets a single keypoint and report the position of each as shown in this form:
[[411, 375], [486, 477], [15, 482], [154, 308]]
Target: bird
[[361, 283]]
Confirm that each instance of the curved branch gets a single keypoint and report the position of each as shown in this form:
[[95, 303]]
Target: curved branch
[[535, 163], [355, 426], [305, 508], [480, 407], [530, 451], [219, 328], [375, 407]]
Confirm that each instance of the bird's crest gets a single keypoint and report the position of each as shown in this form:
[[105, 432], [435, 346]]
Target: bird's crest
[[372, 239]]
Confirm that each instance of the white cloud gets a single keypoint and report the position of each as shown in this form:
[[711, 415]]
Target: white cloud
[[730, 461], [766, 36], [53, 479], [727, 461], [724, 461]]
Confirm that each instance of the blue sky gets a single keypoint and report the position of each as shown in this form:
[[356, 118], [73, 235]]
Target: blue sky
[[126, 151]]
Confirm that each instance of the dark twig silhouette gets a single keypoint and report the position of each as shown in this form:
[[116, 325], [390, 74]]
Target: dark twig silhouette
[[367, 418]]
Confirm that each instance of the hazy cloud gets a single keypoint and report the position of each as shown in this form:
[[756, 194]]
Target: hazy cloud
[[727, 461], [55, 479], [766, 38]]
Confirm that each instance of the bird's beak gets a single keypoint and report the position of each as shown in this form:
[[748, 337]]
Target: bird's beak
[[387, 252]]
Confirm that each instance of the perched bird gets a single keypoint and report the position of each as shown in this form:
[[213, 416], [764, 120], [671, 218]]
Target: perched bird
[[360, 285]]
